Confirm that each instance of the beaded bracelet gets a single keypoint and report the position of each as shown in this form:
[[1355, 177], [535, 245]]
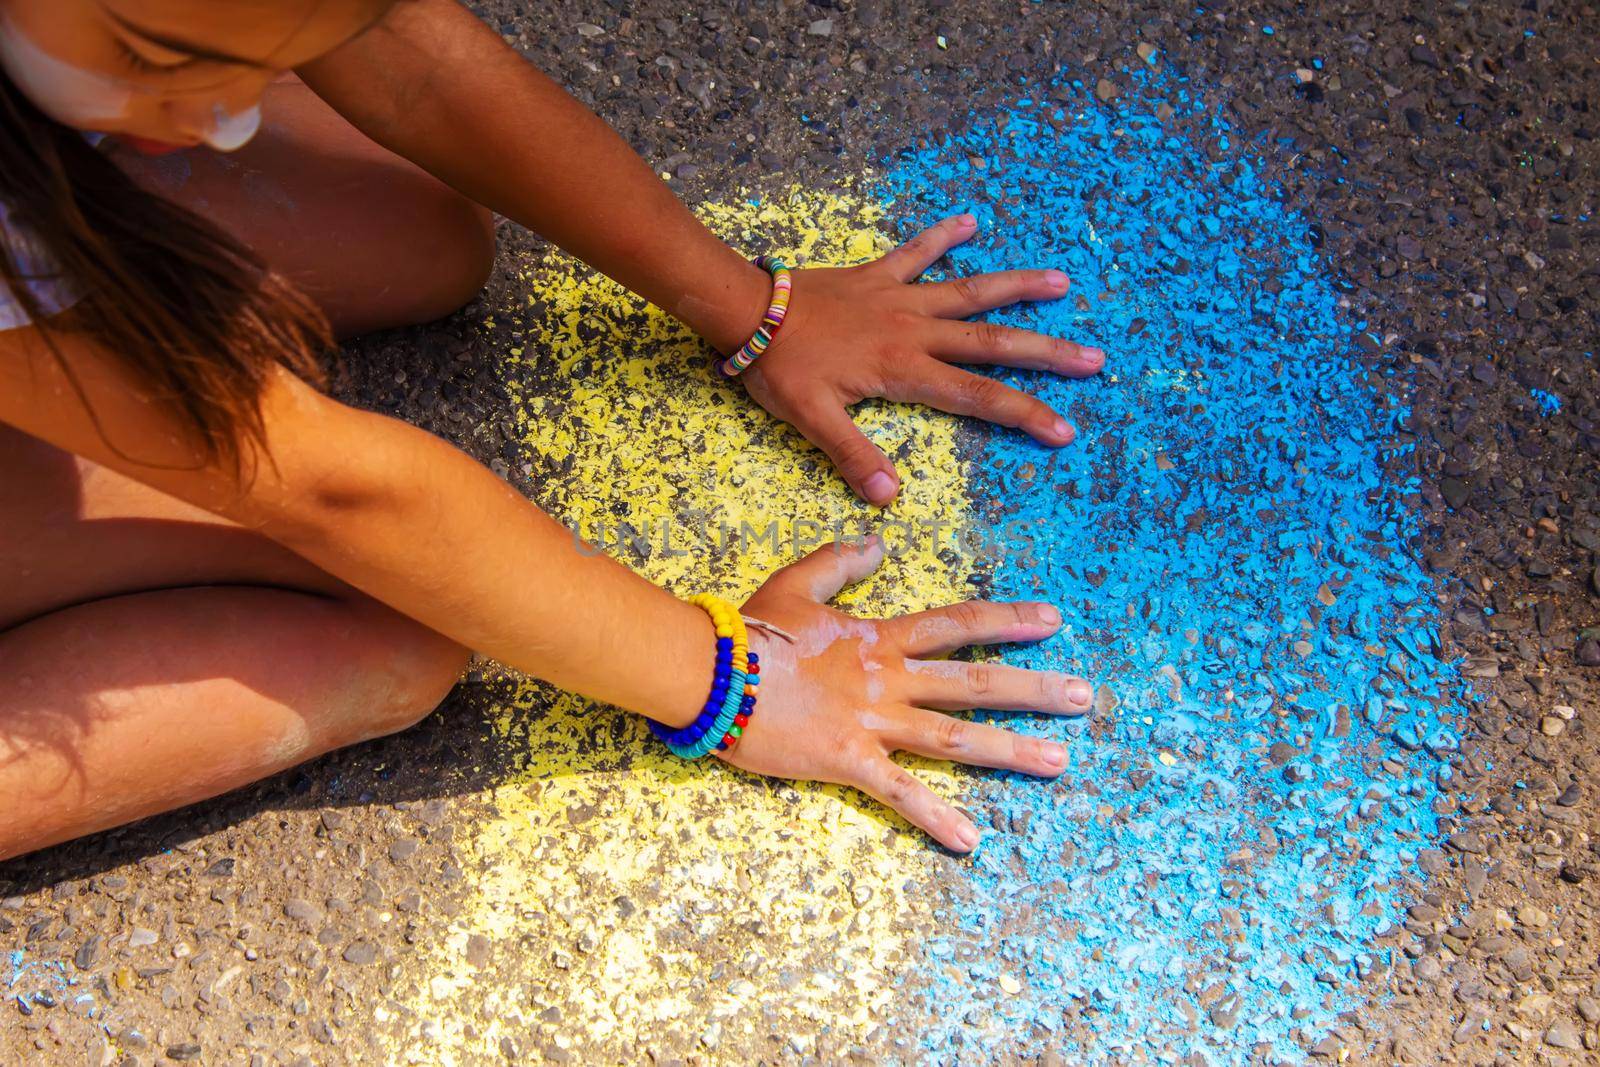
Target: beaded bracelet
[[727, 680], [782, 285], [747, 708], [736, 675]]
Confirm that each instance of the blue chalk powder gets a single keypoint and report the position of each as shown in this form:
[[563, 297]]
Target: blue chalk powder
[[1549, 403], [1234, 565]]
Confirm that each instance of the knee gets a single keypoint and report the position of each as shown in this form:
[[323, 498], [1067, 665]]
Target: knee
[[430, 667], [462, 250], [408, 671]]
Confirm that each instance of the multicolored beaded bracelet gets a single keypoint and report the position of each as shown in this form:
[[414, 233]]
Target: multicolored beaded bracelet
[[747, 707], [736, 675], [727, 683], [782, 285]]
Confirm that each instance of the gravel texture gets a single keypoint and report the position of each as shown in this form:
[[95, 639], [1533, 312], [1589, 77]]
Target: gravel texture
[[1445, 166]]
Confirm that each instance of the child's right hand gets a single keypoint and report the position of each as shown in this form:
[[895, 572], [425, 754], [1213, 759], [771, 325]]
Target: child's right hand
[[848, 692], [871, 331]]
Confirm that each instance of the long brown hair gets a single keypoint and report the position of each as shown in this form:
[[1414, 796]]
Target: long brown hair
[[192, 311]]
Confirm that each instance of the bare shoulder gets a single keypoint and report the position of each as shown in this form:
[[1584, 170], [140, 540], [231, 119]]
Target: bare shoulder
[[64, 387]]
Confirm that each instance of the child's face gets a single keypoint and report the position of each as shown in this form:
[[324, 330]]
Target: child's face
[[167, 73]]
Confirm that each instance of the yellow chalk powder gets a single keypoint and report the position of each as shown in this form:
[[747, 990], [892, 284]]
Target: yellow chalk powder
[[647, 900]]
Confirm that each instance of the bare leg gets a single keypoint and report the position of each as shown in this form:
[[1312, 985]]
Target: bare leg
[[375, 240], [151, 654], [137, 704]]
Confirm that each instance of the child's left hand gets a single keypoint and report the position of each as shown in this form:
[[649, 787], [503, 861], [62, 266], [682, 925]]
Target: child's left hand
[[869, 331]]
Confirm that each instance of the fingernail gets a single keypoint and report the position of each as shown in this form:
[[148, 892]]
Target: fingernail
[[1055, 279], [1093, 355], [1063, 431], [1080, 691], [879, 487], [1049, 615], [1055, 755], [968, 836], [967, 219]]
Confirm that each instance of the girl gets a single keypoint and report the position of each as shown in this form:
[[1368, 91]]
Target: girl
[[214, 571]]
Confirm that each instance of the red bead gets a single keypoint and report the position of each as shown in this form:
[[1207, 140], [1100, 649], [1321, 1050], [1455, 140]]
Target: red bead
[[754, 668], [741, 720], [729, 739]]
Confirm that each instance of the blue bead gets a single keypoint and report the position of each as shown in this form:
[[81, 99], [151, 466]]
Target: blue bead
[[724, 643], [754, 658]]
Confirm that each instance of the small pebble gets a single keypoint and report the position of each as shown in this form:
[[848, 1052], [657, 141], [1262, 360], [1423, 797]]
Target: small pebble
[[361, 953], [1562, 1034]]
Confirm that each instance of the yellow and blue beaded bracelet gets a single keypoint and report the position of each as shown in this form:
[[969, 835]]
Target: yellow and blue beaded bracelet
[[732, 700]]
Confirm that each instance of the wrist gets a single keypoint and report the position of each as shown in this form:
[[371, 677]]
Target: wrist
[[730, 313], [732, 699], [684, 694]]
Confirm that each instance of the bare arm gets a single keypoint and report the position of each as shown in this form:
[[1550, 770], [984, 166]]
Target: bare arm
[[397, 513], [432, 83], [422, 527]]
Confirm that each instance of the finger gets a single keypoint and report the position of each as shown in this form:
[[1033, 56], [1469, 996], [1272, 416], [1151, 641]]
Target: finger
[[924, 250], [928, 733], [862, 464], [960, 392], [971, 622], [953, 685], [977, 293], [899, 789], [991, 343], [820, 575]]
